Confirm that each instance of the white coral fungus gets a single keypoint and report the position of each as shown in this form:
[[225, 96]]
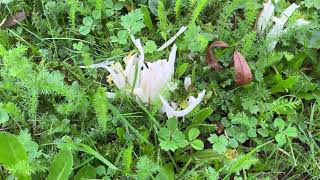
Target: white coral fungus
[[147, 81]]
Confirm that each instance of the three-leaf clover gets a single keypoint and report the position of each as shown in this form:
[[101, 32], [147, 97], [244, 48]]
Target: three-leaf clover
[[195, 39], [133, 21], [282, 135], [219, 144], [170, 137], [194, 142], [112, 7], [87, 25]]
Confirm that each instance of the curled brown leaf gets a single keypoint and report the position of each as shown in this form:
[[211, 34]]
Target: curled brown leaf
[[211, 59], [15, 19], [243, 72]]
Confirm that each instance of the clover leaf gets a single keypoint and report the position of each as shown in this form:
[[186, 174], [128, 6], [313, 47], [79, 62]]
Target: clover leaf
[[170, 137], [194, 142], [282, 134], [219, 144]]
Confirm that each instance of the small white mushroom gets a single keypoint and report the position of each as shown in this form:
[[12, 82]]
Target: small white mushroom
[[187, 83]]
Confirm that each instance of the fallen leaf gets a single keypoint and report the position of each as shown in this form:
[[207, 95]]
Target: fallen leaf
[[211, 59], [15, 19], [243, 72]]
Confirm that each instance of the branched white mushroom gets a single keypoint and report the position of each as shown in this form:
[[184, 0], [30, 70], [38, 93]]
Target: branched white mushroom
[[147, 81], [279, 22]]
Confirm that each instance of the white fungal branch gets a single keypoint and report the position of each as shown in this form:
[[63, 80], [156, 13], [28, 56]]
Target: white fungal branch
[[267, 15], [192, 103]]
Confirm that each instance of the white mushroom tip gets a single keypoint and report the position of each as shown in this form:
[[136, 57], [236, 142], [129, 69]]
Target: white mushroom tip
[[193, 102]]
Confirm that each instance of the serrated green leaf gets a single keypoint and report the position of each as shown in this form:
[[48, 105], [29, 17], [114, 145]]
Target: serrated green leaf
[[133, 21], [61, 166], [86, 172], [150, 46]]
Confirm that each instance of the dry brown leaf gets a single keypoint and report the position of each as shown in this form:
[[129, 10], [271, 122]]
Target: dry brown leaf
[[15, 19], [243, 72], [211, 59]]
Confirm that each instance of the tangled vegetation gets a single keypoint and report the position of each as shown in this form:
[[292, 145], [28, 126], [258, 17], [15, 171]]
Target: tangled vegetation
[[61, 120]]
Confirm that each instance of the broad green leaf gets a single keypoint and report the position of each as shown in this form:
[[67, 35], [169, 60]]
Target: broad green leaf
[[252, 132], [182, 69], [87, 21], [197, 144], [101, 170], [4, 117], [147, 17], [219, 147], [283, 85], [61, 166], [164, 133], [109, 3], [172, 124], [96, 14], [233, 143], [279, 123], [291, 132], [122, 37], [202, 115], [118, 6], [84, 30], [263, 132], [109, 12], [12, 152], [281, 139], [86, 172], [193, 134], [213, 138], [166, 172], [223, 139]]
